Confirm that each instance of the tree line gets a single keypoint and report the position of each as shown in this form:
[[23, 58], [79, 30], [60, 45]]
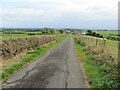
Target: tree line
[[91, 33]]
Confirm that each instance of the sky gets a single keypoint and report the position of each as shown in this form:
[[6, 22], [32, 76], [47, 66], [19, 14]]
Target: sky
[[79, 14]]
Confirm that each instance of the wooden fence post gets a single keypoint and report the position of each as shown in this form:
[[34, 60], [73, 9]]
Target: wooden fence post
[[104, 43], [96, 42]]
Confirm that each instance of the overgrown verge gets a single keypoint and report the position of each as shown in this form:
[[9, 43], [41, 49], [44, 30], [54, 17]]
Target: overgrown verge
[[100, 67], [31, 56]]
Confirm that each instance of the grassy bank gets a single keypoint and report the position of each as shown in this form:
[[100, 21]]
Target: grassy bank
[[95, 69], [29, 57]]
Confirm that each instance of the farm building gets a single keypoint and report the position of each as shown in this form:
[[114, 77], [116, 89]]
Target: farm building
[[80, 32]]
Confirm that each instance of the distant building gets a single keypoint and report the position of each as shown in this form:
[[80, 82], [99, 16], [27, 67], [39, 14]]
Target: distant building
[[80, 32], [67, 31], [83, 33]]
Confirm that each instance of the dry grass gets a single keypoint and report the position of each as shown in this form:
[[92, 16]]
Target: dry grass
[[10, 48], [25, 59], [100, 59], [13, 60], [102, 51], [9, 62], [110, 46]]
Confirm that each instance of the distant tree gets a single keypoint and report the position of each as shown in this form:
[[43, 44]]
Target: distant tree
[[89, 32], [108, 38], [97, 35], [47, 30], [94, 33], [43, 32], [118, 38], [52, 31], [68, 29], [113, 38], [101, 36], [61, 31]]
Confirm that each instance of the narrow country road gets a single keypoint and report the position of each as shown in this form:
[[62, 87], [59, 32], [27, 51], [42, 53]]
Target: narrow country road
[[58, 68]]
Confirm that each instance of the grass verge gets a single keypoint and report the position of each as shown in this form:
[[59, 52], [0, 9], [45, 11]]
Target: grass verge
[[97, 77], [31, 56]]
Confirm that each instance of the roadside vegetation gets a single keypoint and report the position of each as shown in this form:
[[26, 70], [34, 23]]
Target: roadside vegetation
[[109, 45], [27, 58], [100, 62]]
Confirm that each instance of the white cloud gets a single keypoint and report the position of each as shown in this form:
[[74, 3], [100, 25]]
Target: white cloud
[[47, 11]]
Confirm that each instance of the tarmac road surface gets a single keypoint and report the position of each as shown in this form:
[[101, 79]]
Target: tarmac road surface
[[58, 68]]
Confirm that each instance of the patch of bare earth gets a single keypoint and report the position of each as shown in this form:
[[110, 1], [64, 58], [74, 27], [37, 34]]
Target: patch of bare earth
[[8, 62]]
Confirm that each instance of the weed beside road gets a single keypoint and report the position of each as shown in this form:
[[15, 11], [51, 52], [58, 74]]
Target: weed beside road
[[29, 57], [101, 68]]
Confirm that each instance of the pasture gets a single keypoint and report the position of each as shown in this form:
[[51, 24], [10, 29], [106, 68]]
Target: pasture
[[12, 33], [110, 45], [22, 35], [107, 33]]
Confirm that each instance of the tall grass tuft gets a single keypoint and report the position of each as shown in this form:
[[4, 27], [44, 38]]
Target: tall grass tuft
[[100, 61]]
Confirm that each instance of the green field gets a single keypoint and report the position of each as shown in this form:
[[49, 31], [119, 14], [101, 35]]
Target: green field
[[22, 35], [26, 34], [18, 33], [107, 33], [111, 45]]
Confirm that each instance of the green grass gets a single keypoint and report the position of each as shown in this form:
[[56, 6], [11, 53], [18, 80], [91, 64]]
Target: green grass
[[23, 35], [96, 76], [106, 33], [31, 56], [19, 34], [90, 70], [111, 45]]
